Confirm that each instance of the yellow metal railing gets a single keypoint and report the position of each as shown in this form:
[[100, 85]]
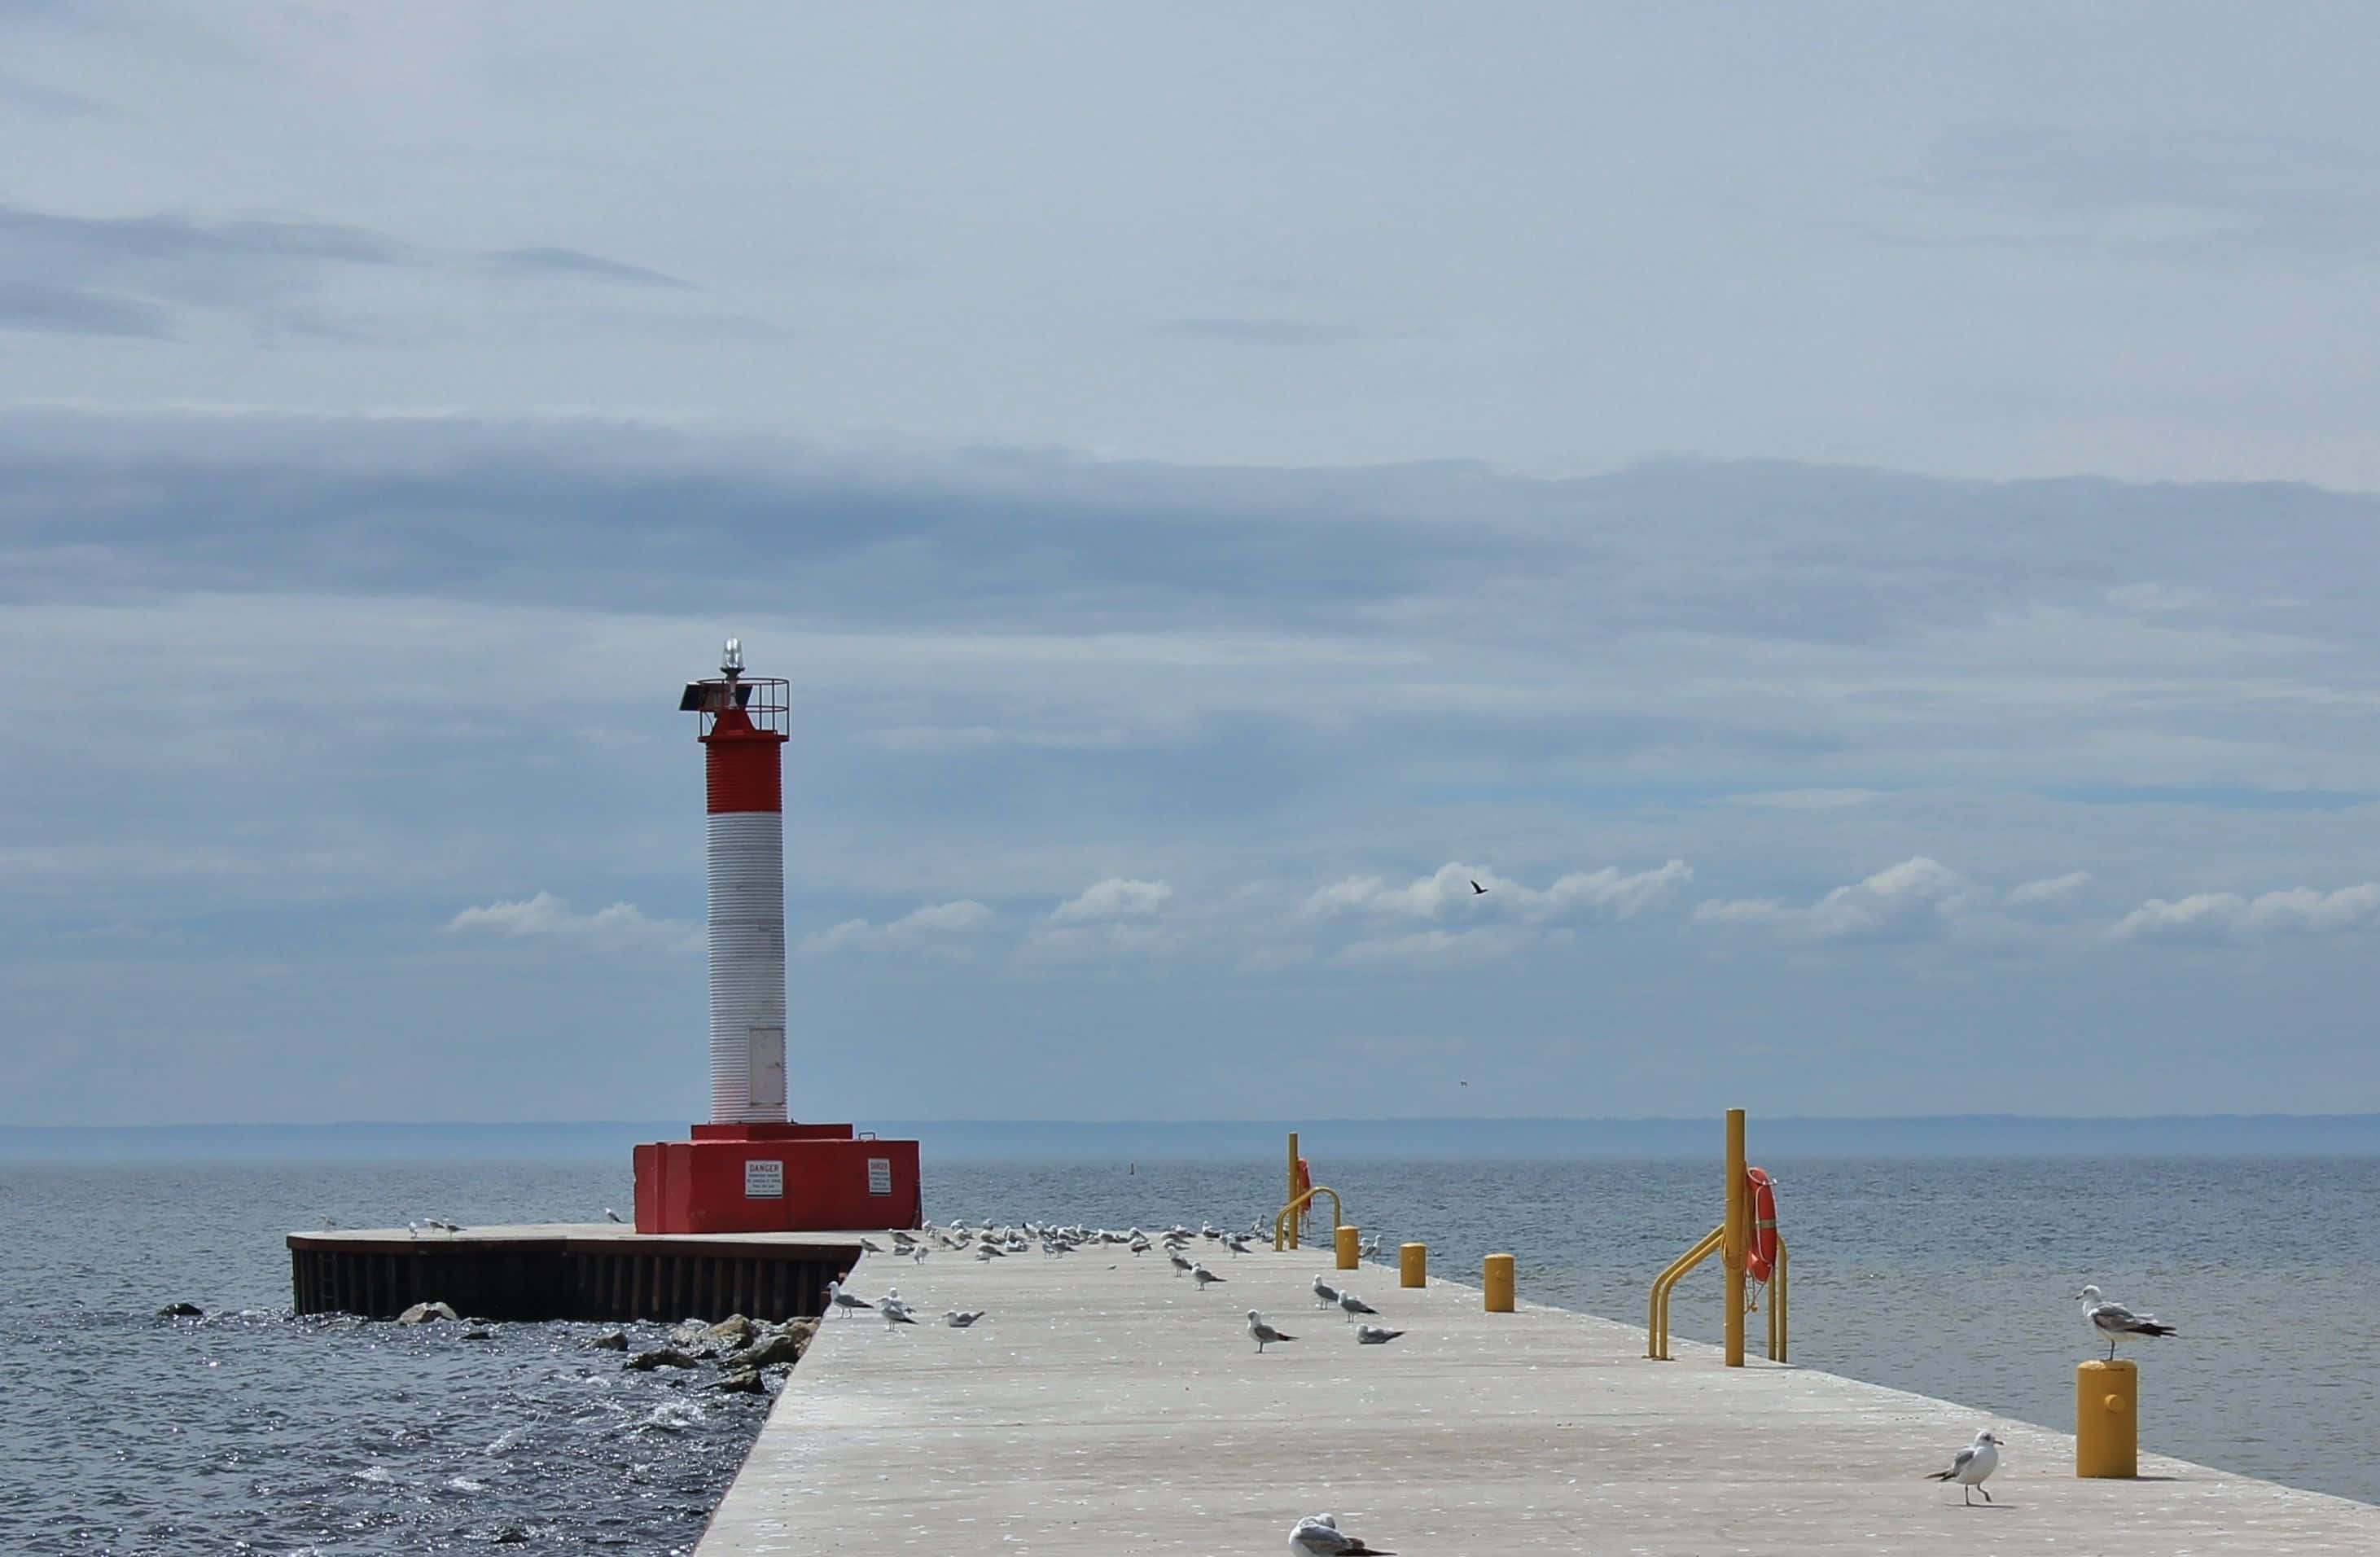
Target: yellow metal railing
[[1656, 1314], [1284, 1225]]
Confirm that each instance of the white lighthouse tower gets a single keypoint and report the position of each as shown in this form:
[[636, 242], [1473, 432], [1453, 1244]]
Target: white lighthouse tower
[[744, 733]]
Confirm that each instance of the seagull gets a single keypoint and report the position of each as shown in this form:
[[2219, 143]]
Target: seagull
[[1373, 1335], [872, 1246], [1180, 1261], [412, 1229], [1317, 1534], [1353, 1305], [611, 1215], [986, 1255], [897, 1315], [2114, 1322], [1476, 890], [838, 1298], [917, 1253], [1203, 1277], [1972, 1466], [959, 1320], [1325, 1293], [328, 1222], [1263, 1331]]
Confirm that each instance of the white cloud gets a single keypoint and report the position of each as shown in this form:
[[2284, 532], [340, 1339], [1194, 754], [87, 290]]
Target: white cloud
[[1605, 894], [622, 924], [2048, 890], [1913, 899], [2222, 916], [1434, 949], [923, 925], [1115, 898]]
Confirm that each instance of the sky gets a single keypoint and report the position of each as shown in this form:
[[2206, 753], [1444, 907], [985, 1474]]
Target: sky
[[1855, 525]]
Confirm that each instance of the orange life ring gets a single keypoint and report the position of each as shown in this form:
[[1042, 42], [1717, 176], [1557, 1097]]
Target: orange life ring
[[1761, 1258]]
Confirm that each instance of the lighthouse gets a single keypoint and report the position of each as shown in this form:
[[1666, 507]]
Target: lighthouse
[[744, 735], [753, 1169]]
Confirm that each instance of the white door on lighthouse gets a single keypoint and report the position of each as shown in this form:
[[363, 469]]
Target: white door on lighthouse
[[768, 1069]]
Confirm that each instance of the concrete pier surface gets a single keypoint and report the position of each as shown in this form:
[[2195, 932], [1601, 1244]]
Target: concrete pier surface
[[1106, 1406]]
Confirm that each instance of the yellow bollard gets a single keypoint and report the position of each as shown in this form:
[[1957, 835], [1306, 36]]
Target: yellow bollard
[[1738, 1240], [1496, 1283], [2107, 1418], [1413, 1265], [1350, 1249]]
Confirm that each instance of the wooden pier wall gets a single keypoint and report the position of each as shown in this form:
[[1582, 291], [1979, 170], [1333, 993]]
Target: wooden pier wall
[[565, 1273]]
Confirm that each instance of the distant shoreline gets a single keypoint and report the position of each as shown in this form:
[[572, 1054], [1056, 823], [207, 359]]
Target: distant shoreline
[[2002, 1136]]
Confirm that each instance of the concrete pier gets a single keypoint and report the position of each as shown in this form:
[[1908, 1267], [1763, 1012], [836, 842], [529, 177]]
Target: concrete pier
[[1104, 1405], [560, 1270]]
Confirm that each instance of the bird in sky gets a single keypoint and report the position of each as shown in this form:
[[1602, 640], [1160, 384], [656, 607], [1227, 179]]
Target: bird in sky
[[1971, 1467], [2114, 1322], [1476, 890]]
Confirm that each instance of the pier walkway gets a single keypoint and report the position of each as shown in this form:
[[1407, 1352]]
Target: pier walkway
[[1105, 1407]]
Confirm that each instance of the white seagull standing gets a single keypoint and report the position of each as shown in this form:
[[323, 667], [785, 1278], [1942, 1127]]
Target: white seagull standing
[[1325, 1293], [1317, 1534], [1263, 1331], [1353, 1305], [2114, 1322], [838, 1298], [1971, 1467], [1203, 1277]]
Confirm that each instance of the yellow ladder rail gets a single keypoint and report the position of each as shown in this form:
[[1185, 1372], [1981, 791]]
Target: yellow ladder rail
[[1657, 1313], [1283, 1228]]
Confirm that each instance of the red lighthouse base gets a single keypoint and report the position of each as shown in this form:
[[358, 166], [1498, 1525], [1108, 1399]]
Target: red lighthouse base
[[777, 1178]]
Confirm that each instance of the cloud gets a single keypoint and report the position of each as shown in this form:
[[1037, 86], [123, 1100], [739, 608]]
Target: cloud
[[122, 275], [922, 927], [2224, 916], [1115, 898], [574, 262], [2048, 890], [1916, 898], [1430, 950], [621, 925], [1604, 894], [1262, 332], [75, 311]]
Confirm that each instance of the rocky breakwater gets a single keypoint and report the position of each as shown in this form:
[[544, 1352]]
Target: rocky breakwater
[[749, 1354]]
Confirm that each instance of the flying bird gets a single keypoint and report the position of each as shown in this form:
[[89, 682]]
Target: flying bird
[[1476, 890], [1971, 1467], [1317, 1534], [2114, 1322], [1263, 1331]]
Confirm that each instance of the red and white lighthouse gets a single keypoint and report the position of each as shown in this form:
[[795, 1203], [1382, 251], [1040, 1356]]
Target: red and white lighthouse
[[751, 1169], [744, 733]]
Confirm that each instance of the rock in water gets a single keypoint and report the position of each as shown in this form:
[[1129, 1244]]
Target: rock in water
[[785, 1346], [661, 1357], [610, 1341], [181, 1311], [479, 1332], [744, 1381], [424, 1313], [735, 1330]]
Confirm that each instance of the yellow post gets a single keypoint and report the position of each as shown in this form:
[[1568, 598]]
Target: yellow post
[[1350, 1248], [1413, 1265], [1739, 1237], [2107, 1418], [1295, 1217], [1496, 1283]]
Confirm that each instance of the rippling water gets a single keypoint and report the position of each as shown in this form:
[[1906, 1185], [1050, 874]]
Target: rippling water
[[126, 1433]]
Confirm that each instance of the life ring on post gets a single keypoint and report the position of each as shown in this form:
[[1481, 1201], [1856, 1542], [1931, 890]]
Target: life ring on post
[[1761, 1257]]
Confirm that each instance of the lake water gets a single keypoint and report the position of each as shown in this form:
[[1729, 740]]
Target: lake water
[[251, 1432]]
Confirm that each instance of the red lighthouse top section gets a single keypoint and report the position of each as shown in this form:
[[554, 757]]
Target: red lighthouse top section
[[744, 723]]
